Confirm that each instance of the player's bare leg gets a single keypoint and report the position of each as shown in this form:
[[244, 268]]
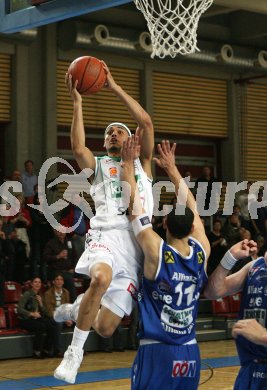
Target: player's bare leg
[[101, 275]]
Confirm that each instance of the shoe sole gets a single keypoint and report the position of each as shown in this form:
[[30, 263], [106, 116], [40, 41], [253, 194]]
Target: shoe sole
[[63, 378]]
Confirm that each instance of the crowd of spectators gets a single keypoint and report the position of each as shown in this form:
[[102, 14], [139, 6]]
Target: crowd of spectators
[[31, 249], [224, 231]]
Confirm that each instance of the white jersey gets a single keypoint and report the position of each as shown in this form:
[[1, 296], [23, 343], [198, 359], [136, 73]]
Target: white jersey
[[111, 203]]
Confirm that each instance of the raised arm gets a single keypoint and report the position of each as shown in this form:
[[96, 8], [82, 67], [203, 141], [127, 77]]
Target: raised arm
[[219, 283], [142, 118], [82, 154], [166, 161], [146, 237]]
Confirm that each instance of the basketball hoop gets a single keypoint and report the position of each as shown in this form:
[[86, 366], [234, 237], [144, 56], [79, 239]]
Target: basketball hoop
[[173, 24]]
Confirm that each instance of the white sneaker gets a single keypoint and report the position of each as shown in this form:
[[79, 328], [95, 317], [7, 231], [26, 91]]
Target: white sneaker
[[68, 311], [68, 368], [63, 313]]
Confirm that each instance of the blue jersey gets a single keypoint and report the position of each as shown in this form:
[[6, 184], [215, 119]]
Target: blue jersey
[[254, 305], [168, 305]]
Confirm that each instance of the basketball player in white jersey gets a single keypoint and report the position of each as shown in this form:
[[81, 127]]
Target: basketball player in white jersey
[[112, 258]]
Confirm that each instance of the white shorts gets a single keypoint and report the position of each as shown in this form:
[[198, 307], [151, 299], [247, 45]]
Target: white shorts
[[120, 250]]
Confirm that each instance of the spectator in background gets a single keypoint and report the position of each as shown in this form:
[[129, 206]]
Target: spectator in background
[[40, 233], [231, 230], [188, 174], [33, 317], [6, 252], [2, 289], [2, 264], [206, 177], [29, 180], [237, 210], [60, 257], [54, 297], [218, 246], [259, 225], [15, 176], [245, 234], [22, 222], [243, 200], [70, 216], [17, 258]]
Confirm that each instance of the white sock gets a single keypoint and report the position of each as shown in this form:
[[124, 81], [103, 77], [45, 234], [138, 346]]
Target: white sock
[[79, 337]]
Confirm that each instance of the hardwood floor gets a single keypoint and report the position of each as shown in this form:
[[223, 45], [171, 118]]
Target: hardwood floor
[[32, 374]]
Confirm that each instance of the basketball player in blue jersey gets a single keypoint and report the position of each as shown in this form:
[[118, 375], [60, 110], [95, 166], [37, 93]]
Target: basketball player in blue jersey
[[174, 275], [112, 258], [250, 331]]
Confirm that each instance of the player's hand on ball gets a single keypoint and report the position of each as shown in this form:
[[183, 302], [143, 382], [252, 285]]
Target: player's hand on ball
[[72, 87], [110, 82]]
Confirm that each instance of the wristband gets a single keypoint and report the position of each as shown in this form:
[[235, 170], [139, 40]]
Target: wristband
[[228, 261], [141, 223]]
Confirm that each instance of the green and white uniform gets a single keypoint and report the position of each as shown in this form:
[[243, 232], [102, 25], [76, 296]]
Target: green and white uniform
[[111, 239], [107, 193]]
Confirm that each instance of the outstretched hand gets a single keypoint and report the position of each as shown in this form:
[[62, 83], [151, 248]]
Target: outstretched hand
[[243, 249], [72, 87], [166, 158], [130, 150]]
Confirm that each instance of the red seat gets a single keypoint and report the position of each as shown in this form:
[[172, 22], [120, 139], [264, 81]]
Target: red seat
[[221, 308], [79, 286], [234, 302], [2, 318], [4, 331], [221, 305], [12, 316], [12, 292]]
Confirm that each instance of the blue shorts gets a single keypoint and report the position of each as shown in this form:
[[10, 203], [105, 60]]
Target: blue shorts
[[252, 376], [161, 366]]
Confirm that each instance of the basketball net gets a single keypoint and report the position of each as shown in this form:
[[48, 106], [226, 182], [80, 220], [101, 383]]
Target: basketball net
[[173, 24]]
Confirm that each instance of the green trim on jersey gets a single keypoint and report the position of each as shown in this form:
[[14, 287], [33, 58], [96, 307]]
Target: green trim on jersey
[[112, 158], [101, 171]]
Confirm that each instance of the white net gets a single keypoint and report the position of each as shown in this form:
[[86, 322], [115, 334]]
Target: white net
[[173, 24]]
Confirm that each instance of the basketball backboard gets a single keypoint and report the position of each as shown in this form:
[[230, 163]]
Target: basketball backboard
[[20, 15]]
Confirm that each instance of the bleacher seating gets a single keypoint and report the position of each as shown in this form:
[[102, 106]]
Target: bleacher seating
[[12, 292], [12, 316], [227, 307], [79, 285], [5, 330], [234, 303], [2, 318]]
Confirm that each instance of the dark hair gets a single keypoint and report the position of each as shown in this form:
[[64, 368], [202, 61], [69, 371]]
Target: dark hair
[[57, 274], [28, 161], [35, 277], [180, 226]]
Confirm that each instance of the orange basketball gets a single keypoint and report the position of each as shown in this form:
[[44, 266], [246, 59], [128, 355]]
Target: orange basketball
[[89, 72]]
